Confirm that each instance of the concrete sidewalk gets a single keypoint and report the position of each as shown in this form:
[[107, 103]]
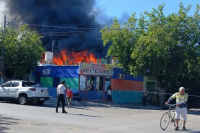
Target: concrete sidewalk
[[53, 101]]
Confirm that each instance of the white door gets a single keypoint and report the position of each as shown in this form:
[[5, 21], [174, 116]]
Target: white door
[[2, 92], [5, 88], [14, 89]]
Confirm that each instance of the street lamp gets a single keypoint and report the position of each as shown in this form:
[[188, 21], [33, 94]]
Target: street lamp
[[2, 81], [2, 51]]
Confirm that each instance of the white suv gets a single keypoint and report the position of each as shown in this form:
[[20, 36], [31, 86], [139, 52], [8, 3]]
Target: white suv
[[23, 91]]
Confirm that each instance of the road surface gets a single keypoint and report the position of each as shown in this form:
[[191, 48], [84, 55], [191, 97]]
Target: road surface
[[15, 118]]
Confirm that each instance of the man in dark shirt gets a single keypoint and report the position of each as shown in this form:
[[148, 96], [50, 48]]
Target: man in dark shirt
[[144, 97]]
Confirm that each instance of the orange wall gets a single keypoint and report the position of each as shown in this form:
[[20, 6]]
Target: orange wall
[[119, 84]]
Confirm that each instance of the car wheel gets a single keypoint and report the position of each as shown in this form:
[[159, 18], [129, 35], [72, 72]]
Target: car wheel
[[40, 102], [22, 100]]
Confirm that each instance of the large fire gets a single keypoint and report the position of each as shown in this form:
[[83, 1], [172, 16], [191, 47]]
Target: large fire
[[73, 58]]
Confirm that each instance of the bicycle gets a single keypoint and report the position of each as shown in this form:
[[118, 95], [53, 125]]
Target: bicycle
[[168, 117]]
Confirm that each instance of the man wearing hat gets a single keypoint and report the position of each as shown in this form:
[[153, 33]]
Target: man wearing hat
[[61, 90]]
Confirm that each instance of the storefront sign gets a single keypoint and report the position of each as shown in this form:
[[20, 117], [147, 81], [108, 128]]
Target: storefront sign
[[96, 69]]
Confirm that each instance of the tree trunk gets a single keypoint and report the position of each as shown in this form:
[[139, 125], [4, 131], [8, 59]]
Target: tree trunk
[[162, 97], [3, 76]]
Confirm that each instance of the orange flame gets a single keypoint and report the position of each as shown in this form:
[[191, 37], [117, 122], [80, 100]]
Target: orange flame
[[42, 58], [73, 58]]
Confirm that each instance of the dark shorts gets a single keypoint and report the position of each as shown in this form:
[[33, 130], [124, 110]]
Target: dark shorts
[[69, 99]]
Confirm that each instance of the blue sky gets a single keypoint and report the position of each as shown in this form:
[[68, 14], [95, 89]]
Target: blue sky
[[113, 8]]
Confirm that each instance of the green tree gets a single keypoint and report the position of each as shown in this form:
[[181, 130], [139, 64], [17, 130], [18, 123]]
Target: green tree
[[164, 47], [22, 50]]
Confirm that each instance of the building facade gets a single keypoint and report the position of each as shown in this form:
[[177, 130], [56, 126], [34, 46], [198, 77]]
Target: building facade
[[92, 81]]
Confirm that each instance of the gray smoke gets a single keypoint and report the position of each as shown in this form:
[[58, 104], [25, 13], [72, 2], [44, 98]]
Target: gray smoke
[[73, 23]]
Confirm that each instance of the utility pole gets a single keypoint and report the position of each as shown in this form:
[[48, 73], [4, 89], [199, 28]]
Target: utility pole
[[2, 51], [52, 45]]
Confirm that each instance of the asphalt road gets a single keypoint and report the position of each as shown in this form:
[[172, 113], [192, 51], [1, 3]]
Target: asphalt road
[[15, 118]]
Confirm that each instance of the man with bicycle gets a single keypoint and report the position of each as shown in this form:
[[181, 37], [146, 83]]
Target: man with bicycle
[[181, 106]]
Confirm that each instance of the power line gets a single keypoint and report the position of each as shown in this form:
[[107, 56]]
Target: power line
[[87, 31], [62, 27], [72, 34], [67, 27]]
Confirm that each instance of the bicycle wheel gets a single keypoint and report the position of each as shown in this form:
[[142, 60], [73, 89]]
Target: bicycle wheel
[[179, 123], [164, 121]]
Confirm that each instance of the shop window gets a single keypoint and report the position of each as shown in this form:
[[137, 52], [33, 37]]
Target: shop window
[[82, 82], [90, 83], [107, 82], [99, 83]]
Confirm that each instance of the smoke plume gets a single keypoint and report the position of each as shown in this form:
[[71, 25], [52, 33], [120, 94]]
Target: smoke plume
[[70, 23]]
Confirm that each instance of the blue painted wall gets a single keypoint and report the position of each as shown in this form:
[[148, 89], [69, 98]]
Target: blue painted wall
[[69, 74], [59, 71], [127, 76]]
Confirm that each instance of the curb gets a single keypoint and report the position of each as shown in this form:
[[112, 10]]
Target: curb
[[53, 101]]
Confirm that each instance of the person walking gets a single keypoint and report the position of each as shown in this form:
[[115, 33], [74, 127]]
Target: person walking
[[144, 97], [109, 94], [61, 89], [57, 92], [69, 96], [181, 106]]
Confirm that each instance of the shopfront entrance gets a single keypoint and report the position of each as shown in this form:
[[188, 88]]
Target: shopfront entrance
[[94, 79]]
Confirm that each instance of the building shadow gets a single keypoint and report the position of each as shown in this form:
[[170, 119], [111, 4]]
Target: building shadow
[[192, 131], [194, 112], [85, 105], [84, 115], [5, 122]]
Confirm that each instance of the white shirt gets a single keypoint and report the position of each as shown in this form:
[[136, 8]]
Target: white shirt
[[60, 89], [109, 92]]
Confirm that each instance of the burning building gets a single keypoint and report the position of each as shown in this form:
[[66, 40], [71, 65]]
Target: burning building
[[70, 58], [72, 26], [91, 81]]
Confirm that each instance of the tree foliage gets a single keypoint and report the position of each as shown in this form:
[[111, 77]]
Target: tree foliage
[[164, 47], [22, 50]]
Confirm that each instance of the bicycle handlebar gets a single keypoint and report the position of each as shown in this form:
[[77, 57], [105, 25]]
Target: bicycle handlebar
[[171, 105]]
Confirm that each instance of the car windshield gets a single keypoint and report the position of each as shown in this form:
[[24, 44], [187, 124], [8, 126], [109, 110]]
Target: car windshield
[[26, 83]]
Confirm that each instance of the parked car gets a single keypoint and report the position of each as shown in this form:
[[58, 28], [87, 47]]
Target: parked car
[[23, 92]]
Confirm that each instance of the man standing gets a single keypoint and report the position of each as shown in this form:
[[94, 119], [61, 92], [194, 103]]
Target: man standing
[[144, 97], [109, 94], [181, 106], [61, 90]]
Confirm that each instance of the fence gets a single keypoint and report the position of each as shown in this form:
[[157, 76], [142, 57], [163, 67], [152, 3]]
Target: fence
[[153, 99]]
